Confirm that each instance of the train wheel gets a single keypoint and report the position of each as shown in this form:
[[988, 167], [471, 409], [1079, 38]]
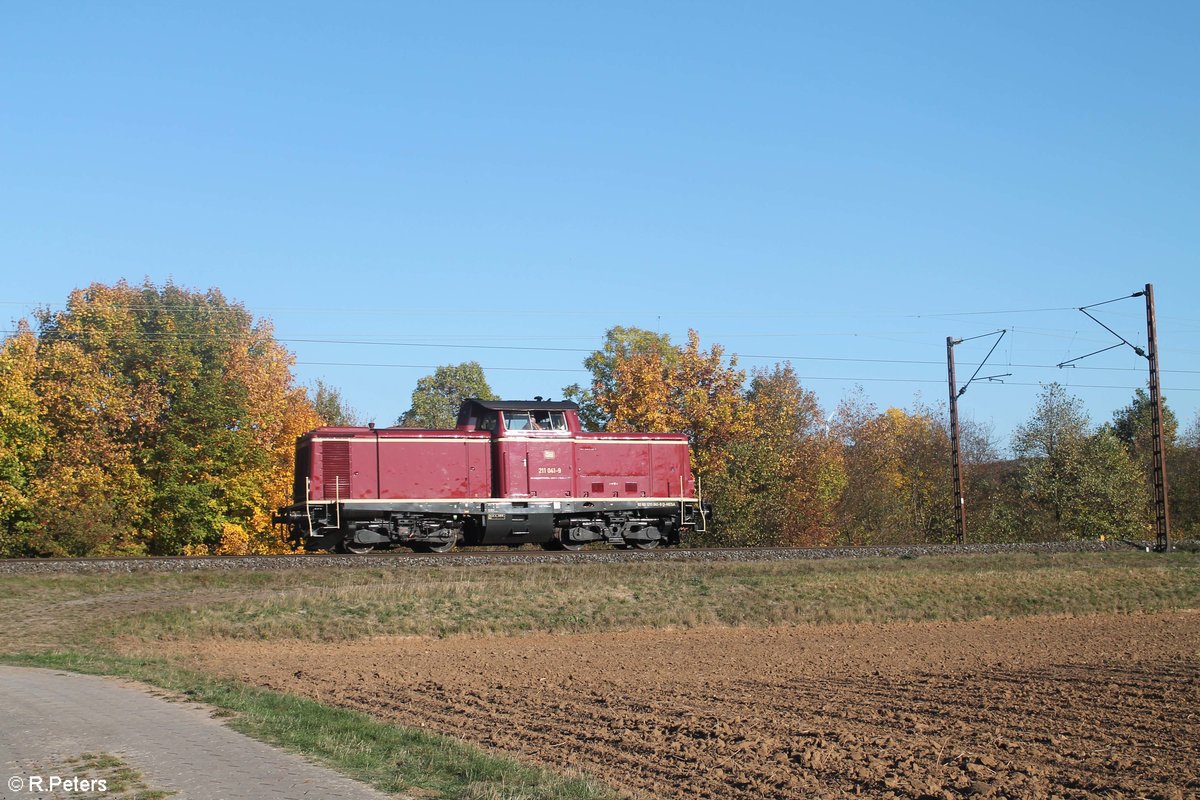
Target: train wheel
[[441, 547], [560, 542], [649, 544], [357, 549]]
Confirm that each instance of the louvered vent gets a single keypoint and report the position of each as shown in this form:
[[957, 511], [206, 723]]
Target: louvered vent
[[335, 469]]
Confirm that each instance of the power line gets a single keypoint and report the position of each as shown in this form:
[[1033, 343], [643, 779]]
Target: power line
[[236, 307], [986, 313], [169, 336], [803, 377], [435, 366]]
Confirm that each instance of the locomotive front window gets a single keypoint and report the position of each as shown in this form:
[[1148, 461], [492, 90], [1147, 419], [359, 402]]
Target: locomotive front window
[[487, 422]]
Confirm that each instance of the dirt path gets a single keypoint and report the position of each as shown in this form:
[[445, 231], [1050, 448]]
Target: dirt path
[[1033, 708]]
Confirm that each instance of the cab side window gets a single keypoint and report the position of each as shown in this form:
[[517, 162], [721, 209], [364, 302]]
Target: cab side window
[[549, 421], [517, 420]]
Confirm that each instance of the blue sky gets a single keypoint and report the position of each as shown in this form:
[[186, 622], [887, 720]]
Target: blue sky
[[842, 185]]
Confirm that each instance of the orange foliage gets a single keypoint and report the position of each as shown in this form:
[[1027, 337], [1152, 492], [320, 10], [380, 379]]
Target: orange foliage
[[692, 392], [173, 417]]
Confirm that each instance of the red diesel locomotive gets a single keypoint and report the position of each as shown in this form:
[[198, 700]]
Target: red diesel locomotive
[[509, 473]]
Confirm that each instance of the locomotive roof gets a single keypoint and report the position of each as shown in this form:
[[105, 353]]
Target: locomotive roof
[[524, 405]]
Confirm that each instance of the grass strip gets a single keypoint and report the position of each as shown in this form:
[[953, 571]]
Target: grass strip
[[586, 598], [391, 758]]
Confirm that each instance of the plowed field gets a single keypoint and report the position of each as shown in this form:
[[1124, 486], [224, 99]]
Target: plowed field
[[1095, 706]]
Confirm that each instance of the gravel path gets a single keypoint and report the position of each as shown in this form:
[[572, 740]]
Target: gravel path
[[48, 717]]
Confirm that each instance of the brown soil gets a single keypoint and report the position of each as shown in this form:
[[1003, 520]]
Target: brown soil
[[1098, 706]]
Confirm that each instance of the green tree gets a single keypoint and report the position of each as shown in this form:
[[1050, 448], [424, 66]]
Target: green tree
[[991, 486], [437, 398], [331, 407], [1050, 446], [1184, 475], [1109, 496], [1078, 484], [1132, 426]]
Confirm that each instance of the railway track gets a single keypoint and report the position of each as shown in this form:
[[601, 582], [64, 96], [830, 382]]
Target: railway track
[[481, 557]]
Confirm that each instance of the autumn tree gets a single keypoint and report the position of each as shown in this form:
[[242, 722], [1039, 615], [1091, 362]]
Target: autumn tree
[[640, 396], [101, 405], [680, 390], [642, 382], [437, 398], [783, 479], [620, 345], [711, 408], [897, 474], [173, 416], [24, 437], [276, 413]]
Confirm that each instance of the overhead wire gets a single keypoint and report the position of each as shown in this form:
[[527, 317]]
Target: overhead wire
[[805, 377], [236, 307], [167, 336], [377, 342]]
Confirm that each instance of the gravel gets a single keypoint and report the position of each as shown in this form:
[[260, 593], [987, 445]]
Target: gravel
[[463, 558]]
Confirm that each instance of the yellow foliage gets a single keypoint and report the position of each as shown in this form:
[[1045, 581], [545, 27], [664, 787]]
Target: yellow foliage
[[692, 392], [173, 417], [279, 413], [235, 541]]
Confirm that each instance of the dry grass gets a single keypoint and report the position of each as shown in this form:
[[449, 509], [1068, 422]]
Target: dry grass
[[511, 600]]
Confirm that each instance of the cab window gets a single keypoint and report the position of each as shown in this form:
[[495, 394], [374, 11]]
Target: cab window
[[549, 421], [517, 421], [535, 421]]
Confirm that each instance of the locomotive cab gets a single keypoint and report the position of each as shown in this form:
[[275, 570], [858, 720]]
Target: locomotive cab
[[521, 417]]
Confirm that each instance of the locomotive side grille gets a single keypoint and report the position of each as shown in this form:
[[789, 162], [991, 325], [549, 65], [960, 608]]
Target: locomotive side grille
[[335, 469]]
